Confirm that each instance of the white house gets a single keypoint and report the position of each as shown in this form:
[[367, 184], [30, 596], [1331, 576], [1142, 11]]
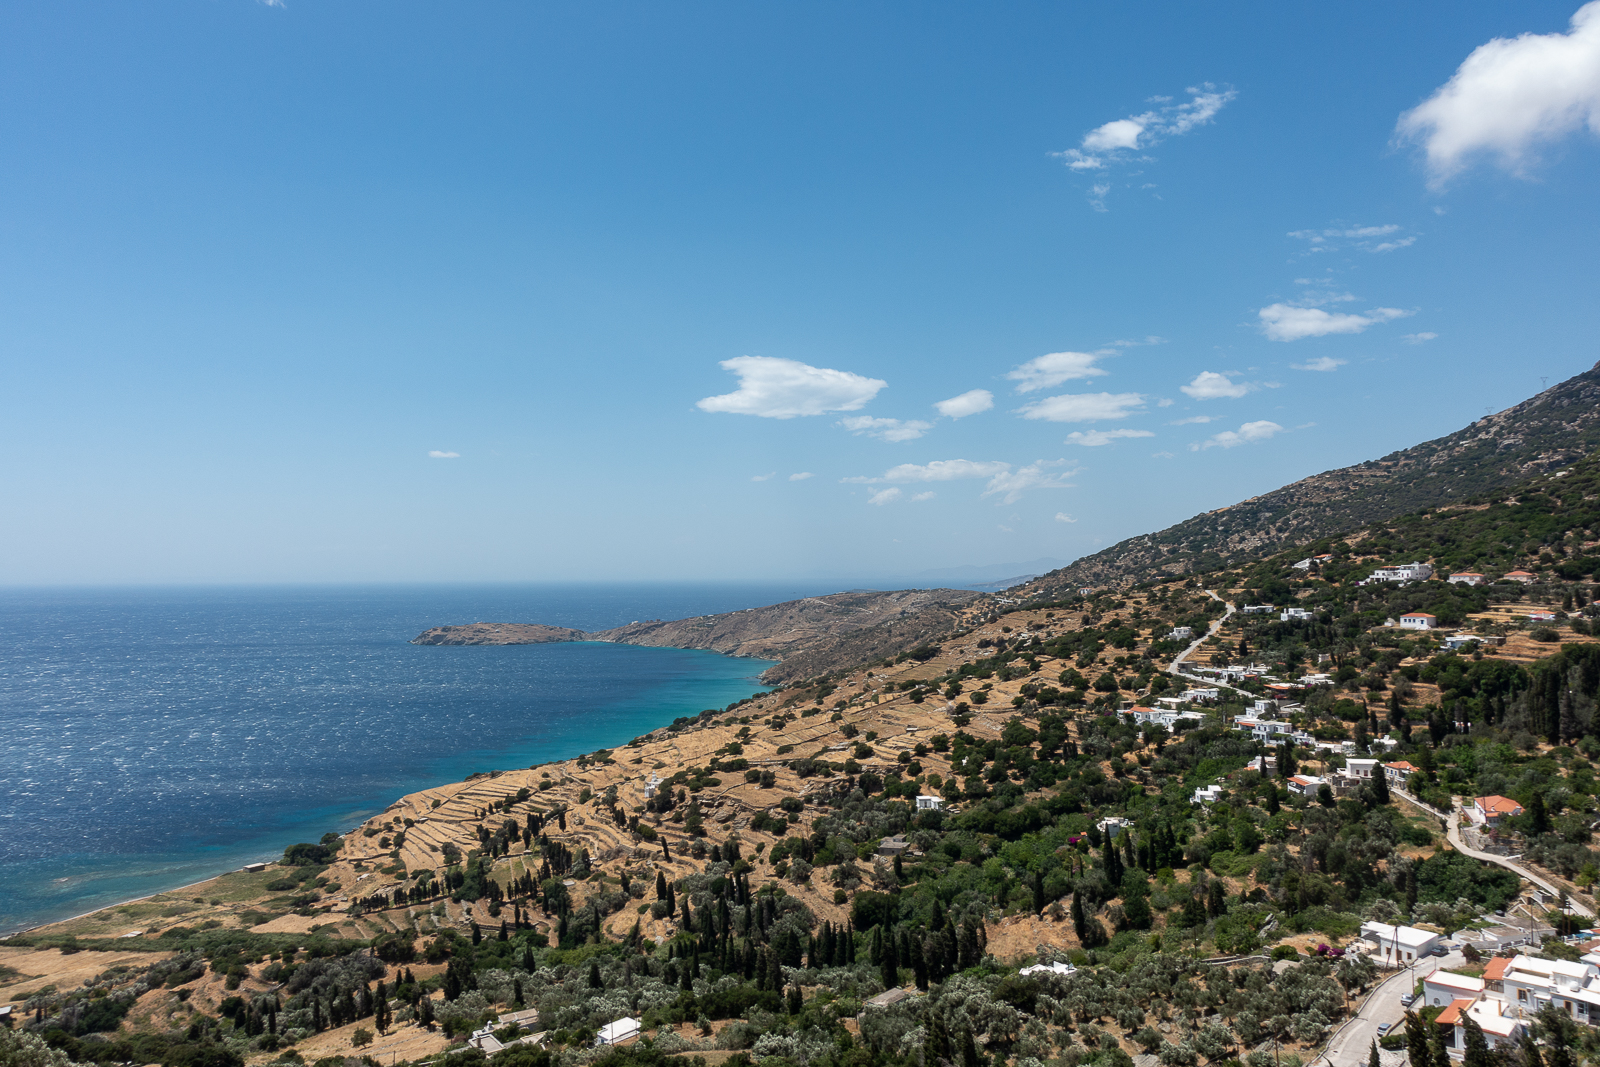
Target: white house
[[1493, 810], [1202, 693], [1363, 769], [1526, 983], [1257, 609], [1305, 785], [652, 785], [1063, 969], [1542, 616], [1114, 825], [1206, 794], [1418, 620], [1467, 578], [1269, 731], [1519, 576], [1402, 572], [928, 803], [1442, 988], [1399, 945], [1305, 564], [1399, 772], [1180, 633], [1164, 716], [1263, 765], [1499, 1028], [1295, 615], [616, 1032]]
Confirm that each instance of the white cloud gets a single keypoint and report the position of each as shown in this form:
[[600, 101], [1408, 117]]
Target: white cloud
[[1285, 322], [1152, 339], [1323, 363], [969, 403], [1209, 385], [1062, 516], [886, 429], [272, 3], [1249, 433], [1036, 475], [884, 496], [1362, 237], [802, 476], [763, 477], [1083, 407], [444, 455], [1509, 98], [1192, 419], [940, 470], [784, 388], [1165, 402], [1055, 368], [1120, 140], [1095, 438], [1418, 338], [929, 495], [1118, 133]]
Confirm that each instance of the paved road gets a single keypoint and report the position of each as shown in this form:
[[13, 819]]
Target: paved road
[[1176, 666], [1351, 1044], [1453, 831]]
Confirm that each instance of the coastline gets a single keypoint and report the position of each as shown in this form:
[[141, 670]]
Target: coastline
[[677, 692]]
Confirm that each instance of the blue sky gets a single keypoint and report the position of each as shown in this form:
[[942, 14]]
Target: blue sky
[[503, 291]]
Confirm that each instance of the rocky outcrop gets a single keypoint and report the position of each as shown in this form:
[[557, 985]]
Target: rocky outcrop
[[810, 636]]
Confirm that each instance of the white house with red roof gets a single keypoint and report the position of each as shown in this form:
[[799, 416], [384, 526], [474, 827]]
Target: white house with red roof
[[1305, 785], [1519, 576], [1467, 578], [1493, 810], [1499, 1027], [1418, 620], [1399, 772]]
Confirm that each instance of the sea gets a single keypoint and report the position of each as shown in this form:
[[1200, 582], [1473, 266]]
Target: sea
[[155, 737]]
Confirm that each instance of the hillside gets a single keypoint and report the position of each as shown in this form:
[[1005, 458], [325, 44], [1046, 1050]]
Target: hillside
[[811, 636], [1557, 426]]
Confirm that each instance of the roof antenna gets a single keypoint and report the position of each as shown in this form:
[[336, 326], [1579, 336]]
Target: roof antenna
[[1542, 380]]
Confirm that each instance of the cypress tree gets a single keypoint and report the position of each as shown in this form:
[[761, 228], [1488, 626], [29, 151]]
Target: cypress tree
[[661, 886], [1417, 1041]]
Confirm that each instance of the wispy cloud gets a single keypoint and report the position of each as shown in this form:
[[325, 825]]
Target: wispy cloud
[[1055, 368], [1040, 474], [1509, 99], [1126, 140], [1002, 480], [764, 477], [886, 429], [1286, 322], [1209, 385], [444, 455], [1418, 338], [1249, 433], [784, 388], [1083, 407], [969, 403], [929, 495], [1096, 438], [1193, 419], [884, 496], [1321, 363], [1375, 239], [940, 470], [1062, 516], [800, 477]]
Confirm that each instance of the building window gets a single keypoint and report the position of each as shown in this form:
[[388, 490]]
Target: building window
[[1522, 995]]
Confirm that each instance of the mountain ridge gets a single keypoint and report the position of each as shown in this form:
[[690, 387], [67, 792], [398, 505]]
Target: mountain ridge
[[1548, 430]]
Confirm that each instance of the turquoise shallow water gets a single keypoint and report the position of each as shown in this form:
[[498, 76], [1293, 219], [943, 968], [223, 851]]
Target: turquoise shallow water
[[156, 737]]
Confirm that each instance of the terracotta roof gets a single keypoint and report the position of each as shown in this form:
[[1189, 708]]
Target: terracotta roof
[[1519, 574], [1400, 765], [1466, 574], [1418, 615], [1452, 1015], [1497, 805], [1497, 969]]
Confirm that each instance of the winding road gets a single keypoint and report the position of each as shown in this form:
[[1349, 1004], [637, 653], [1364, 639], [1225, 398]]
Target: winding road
[[1175, 668]]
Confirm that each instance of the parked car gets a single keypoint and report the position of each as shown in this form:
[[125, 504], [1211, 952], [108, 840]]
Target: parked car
[[1408, 1000], [1384, 1028]]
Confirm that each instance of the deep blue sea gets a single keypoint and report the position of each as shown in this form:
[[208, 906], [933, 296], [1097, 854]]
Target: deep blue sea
[[150, 738]]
